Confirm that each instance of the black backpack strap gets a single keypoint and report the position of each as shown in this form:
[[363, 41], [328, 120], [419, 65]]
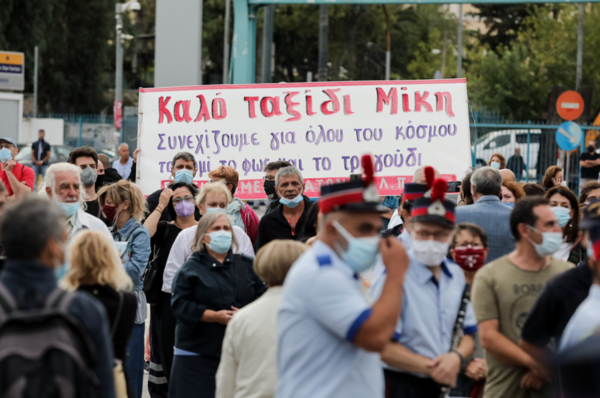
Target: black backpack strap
[[241, 285], [7, 302], [118, 316]]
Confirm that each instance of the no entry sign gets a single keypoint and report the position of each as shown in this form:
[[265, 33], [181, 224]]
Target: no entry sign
[[569, 105]]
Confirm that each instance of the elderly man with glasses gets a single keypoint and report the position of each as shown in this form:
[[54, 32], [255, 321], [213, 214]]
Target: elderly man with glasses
[[18, 179]]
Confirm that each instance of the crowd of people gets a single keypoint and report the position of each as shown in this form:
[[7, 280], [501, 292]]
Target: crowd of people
[[487, 292]]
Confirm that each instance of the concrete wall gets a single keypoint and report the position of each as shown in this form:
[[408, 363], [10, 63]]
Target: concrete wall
[[11, 109], [178, 43]]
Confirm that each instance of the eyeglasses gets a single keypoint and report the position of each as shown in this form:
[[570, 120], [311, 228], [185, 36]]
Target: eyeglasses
[[187, 199]]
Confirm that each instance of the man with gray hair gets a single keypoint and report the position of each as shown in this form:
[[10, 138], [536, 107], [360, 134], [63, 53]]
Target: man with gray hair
[[488, 212], [63, 186], [287, 220], [35, 238], [123, 165]]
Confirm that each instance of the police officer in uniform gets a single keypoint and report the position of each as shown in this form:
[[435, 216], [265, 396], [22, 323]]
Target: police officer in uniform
[[432, 342], [329, 336]]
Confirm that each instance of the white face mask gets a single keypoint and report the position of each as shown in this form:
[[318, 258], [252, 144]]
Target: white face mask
[[430, 252]]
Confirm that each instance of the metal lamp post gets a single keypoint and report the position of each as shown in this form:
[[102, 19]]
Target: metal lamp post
[[119, 37]]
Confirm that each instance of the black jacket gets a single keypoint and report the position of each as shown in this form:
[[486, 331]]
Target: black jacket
[[203, 283], [275, 226], [111, 176], [35, 147], [109, 298]]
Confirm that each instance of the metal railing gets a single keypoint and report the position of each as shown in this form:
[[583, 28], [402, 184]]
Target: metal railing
[[97, 130], [536, 143]]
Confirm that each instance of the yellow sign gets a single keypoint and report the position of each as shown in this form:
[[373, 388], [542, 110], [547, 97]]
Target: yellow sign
[[11, 58]]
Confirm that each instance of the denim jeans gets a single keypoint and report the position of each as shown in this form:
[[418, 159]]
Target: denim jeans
[[135, 359], [39, 170]]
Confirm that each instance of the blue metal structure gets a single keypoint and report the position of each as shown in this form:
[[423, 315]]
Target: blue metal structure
[[243, 48]]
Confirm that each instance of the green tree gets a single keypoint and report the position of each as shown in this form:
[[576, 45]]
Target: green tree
[[73, 45]]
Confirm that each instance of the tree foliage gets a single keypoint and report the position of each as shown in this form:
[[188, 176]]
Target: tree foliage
[[72, 37]]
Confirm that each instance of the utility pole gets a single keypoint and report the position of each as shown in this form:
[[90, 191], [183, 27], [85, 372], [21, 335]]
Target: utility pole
[[226, 49], [388, 53], [323, 41], [120, 8], [35, 80], [459, 43], [444, 48], [267, 44], [579, 48]]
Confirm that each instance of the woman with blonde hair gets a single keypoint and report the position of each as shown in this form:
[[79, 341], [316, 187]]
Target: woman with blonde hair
[[207, 290], [97, 270], [248, 364], [123, 204]]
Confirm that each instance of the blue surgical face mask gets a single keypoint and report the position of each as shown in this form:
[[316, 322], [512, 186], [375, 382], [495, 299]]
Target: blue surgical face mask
[[495, 165], [69, 208], [551, 242], [563, 215], [184, 175], [511, 205], [220, 241], [215, 210], [5, 155], [291, 203], [361, 252], [61, 270]]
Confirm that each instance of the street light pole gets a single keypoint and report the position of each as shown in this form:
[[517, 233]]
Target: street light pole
[[226, 49], [579, 48], [119, 37], [459, 42], [119, 58]]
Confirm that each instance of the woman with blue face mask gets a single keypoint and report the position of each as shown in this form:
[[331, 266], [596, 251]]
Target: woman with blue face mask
[[566, 209], [207, 290], [497, 161]]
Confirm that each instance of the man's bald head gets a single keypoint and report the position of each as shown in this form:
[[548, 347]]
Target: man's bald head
[[507, 175]]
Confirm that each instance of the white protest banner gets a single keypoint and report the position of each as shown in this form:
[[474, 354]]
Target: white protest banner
[[322, 128]]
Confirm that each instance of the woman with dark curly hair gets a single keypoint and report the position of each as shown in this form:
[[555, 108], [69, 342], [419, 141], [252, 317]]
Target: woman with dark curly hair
[[566, 208]]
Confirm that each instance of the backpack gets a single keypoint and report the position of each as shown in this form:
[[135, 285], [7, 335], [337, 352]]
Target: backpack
[[44, 352]]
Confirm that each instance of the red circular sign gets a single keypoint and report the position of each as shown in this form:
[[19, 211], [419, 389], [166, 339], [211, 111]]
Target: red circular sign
[[569, 105]]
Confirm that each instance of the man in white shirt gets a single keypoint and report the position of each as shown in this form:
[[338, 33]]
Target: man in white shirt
[[63, 185], [123, 165]]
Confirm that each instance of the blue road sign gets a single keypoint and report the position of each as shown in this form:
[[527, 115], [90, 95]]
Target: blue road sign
[[568, 136]]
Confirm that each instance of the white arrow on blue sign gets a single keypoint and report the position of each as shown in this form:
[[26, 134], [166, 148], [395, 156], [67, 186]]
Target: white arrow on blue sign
[[568, 136]]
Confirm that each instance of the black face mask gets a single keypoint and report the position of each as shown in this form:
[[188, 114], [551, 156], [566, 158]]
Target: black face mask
[[99, 181], [591, 148], [269, 187]]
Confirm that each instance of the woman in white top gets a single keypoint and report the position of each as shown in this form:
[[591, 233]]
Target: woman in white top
[[213, 197], [248, 366]]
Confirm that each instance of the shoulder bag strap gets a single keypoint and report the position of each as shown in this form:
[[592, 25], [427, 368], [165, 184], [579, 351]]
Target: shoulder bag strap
[[460, 317], [241, 285], [7, 302], [118, 316]]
